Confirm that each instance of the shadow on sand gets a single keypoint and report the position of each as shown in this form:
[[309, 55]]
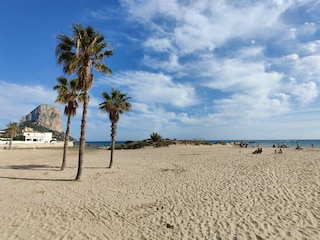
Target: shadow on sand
[[39, 179], [41, 167], [32, 167]]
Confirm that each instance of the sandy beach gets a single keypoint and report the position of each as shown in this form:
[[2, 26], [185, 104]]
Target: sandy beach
[[177, 192]]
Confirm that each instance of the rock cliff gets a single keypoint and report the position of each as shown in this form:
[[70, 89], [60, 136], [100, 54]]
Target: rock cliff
[[46, 116]]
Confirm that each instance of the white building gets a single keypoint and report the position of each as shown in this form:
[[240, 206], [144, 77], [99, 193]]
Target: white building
[[31, 136], [3, 135]]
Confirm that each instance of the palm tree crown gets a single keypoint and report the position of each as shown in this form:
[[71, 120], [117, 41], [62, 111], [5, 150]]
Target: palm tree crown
[[115, 104], [86, 48], [68, 94], [12, 129]]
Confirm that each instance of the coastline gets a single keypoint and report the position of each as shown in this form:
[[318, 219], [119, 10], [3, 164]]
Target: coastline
[[175, 192], [290, 143], [24, 145]]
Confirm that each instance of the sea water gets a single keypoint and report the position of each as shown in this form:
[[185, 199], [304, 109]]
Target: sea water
[[291, 143]]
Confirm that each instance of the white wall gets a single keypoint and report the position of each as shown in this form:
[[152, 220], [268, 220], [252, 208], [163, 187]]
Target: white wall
[[37, 137]]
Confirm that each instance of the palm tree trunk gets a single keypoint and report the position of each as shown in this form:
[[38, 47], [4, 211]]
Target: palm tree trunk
[[11, 138], [82, 134], [65, 147], [113, 137]]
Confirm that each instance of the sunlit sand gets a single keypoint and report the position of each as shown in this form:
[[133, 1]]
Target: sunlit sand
[[176, 192]]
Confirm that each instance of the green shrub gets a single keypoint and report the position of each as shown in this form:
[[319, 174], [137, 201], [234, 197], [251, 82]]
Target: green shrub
[[155, 137], [160, 143], [19, 138]]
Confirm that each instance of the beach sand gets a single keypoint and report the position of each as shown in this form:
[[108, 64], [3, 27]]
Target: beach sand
[[176, 192]]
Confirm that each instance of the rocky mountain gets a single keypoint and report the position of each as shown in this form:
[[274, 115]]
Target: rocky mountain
[[46, 116]]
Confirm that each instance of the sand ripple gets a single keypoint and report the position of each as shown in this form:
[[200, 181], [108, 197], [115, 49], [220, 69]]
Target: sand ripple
[[180, 192]]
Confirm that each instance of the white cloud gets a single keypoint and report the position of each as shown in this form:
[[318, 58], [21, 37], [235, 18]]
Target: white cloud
[[302, 69], [154, 88], [293, 56], [241, 76], [305, 92], [158, 44], [170, 64], [312, 47], [205, 25], [145, 11]]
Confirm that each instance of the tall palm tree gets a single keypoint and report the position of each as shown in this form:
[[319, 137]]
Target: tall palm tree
[[12, 129], [115, 104], [80, 54], [68, 95]]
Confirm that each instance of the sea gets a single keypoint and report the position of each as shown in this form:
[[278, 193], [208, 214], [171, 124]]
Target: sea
[[292, 143]]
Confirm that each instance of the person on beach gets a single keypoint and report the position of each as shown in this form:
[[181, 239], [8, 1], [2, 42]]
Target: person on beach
[[298, 146]]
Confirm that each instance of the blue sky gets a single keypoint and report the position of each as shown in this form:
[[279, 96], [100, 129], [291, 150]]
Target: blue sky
[[220, 69]]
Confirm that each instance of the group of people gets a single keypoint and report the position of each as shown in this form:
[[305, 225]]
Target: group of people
[[258, 151], [280, 145]]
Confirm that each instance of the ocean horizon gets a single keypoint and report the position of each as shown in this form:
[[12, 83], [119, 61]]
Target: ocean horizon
[[291, 143]]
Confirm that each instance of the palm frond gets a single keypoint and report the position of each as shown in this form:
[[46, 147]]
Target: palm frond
[[102, 68], [68, 94], [115, 104]]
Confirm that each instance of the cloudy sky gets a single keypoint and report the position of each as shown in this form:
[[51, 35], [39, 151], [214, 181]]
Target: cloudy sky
[[209, 69]]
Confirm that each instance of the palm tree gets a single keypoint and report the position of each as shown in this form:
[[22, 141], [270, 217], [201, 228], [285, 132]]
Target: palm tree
[[69, 95], [115, 104], [155, 137], [12, 129], [78, 54]]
